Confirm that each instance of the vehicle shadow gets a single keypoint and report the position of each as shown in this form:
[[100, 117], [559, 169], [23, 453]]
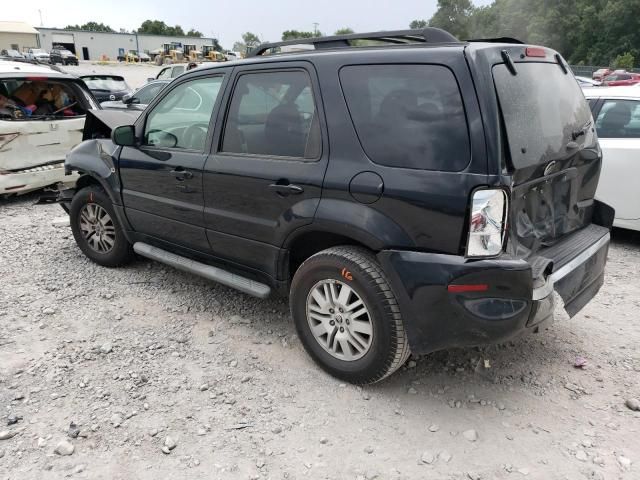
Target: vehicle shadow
[[627, 238]]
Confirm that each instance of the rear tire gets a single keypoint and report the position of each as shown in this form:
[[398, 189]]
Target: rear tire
[[96, 228], [347, 316]]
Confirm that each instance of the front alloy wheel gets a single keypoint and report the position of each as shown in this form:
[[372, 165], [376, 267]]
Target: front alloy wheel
[[97, 228]]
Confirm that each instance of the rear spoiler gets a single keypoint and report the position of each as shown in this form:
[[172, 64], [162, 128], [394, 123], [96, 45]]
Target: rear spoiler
[[496, 40]]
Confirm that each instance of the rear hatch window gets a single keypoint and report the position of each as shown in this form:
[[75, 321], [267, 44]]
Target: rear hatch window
[[543, 108], [555, 159], [408, 116], [113, 84]]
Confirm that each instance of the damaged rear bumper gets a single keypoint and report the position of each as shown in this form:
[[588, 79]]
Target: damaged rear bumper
[[34, 178], [510, 302]]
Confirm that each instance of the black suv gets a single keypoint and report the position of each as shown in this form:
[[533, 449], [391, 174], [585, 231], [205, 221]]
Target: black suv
[[62, 56], [408, 191]]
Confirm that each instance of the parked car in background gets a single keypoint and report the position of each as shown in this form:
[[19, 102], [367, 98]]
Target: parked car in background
[[107, 87], [416, 195], [585, 82], [139, 99], [601, 73], [38, 55], [42, 113], [617, 114], [10, 53], [144, 57], [621, 79], [170, 71], [63, 56]]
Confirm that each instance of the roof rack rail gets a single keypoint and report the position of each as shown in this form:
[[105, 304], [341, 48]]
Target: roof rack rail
[[497, 40], [396, 37]]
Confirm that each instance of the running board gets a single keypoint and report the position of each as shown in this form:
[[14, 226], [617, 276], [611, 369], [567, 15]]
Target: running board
[[229, 279]]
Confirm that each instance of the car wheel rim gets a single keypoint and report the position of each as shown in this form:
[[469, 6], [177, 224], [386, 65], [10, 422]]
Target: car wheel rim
[[339, 320], [97, 228]]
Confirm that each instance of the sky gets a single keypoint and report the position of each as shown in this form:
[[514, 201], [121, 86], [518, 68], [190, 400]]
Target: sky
[[225, 19]]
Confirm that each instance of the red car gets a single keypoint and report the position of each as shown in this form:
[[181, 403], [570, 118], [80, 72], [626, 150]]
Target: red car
[[621, 79], [601, 73]]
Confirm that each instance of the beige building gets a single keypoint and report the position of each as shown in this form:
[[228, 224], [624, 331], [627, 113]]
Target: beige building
[[18, 36]]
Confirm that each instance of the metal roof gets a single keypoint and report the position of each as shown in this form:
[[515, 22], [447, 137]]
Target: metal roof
[[17, 27], [9, 68], [613, 92]]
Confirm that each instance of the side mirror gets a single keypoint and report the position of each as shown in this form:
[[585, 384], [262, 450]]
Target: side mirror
[[124, 135], [150, 79], [129, 99]]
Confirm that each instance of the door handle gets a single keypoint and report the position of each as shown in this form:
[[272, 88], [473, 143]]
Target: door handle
[[288, 189], [181, 174]]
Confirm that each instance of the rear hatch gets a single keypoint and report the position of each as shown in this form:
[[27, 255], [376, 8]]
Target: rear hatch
[[551, 153]]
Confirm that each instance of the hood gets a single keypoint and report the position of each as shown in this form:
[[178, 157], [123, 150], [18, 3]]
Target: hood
[[100, 123]]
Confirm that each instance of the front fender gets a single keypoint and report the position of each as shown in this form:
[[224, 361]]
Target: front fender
[[97, 159]]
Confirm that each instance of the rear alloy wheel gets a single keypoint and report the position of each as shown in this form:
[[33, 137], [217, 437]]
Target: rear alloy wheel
[[347, 316], [339, 320]]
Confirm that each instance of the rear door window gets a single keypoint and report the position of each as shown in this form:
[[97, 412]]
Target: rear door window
[[619, 119], [408, 116], [273, 114]]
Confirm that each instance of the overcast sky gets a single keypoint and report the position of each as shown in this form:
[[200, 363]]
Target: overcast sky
[[226, 19]]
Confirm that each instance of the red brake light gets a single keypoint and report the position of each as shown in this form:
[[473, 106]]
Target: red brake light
[[479, 287], [535, 52], [37, 79]]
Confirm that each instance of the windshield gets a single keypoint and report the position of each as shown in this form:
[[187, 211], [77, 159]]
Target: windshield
[[38, 51], [66, 52], [106, 83], [543, 109]]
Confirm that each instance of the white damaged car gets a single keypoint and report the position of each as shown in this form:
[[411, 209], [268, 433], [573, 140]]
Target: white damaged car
[[42, 116]]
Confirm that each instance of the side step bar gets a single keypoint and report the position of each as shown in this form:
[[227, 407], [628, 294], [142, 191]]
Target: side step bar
[[229, 279]]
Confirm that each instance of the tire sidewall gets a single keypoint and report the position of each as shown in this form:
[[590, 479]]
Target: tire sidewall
[[121, 251], [325, 267]]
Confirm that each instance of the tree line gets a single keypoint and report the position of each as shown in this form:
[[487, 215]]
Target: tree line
[[586, 32], [151, 27]]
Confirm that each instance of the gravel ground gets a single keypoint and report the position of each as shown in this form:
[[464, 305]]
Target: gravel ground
[[145, 372]]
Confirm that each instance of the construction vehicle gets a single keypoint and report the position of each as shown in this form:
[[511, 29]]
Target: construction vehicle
[[169, 53], [192, 54], [210, 54]]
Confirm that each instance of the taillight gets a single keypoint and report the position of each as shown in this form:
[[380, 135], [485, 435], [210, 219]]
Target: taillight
[[487, 223], [535, 52]]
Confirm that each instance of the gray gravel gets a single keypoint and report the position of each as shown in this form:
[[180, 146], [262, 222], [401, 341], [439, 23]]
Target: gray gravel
[[267, 411]]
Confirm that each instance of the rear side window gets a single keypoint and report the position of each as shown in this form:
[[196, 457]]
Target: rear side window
[[408, 116], [619, 119], [273, 114]]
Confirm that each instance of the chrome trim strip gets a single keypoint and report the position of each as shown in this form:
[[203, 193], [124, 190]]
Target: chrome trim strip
[[547, 288]]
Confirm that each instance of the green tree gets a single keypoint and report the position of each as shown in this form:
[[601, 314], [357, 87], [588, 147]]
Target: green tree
[[344, 31], [158, 27], [91, 27], [250, 40], [194, 33], [418, 24], [625, 61], [454, 16], [296, 34]]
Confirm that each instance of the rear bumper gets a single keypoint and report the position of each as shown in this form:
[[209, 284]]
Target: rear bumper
[[436, 318], [33, 179]]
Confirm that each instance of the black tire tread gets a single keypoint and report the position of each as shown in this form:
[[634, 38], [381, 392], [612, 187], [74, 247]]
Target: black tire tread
[[377, 279]]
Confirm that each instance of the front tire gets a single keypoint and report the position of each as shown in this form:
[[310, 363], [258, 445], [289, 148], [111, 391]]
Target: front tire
[[347, 316], [96, 228]]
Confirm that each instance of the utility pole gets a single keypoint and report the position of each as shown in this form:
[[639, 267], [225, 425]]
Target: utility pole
[[40, 12], [315, 28]]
